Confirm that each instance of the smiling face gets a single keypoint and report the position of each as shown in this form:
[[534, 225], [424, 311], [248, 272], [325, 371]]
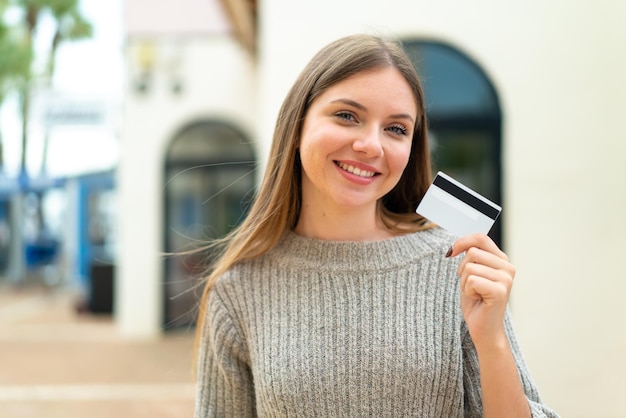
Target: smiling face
[[356, 141]]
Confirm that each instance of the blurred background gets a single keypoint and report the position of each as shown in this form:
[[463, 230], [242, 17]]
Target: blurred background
[[131, 129]]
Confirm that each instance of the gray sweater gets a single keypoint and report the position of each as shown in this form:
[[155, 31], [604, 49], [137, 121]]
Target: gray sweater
[[341, 329]]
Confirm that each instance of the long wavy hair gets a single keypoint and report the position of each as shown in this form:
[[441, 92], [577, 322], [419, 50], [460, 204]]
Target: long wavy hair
[[276, 207]]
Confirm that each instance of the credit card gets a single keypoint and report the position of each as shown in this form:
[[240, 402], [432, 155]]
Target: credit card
[[457, 208]]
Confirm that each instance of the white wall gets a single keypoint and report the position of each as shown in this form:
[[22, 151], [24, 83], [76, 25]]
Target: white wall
[[558, 67], [175, 17], [218, 84]]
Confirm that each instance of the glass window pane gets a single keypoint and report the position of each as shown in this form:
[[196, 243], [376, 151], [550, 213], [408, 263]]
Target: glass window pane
[[453, 84]]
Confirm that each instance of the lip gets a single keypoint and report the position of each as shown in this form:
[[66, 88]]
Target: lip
[[353, 177]]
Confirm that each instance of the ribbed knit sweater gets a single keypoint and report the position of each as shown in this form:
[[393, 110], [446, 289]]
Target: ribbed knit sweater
[[342, 329]]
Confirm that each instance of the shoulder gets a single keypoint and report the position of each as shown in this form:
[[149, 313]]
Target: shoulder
[[241, 282], [431, 241], [234, 280], [228, 301], [434, 243], [437, 235]]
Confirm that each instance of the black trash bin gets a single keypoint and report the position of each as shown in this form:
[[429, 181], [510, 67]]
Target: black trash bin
[[101, 289]]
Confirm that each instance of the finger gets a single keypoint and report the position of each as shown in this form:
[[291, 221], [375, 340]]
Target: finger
[[487, 273], [470, 292], [476, 240], [477, 256], [489, 291]]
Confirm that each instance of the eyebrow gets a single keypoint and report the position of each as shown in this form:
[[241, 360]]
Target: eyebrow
[[363, 108]]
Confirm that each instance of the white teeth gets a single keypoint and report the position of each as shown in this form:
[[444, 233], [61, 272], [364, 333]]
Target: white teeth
[[356, 171]]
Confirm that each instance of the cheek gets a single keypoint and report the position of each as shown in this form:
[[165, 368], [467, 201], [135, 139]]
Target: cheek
[[400, 157], [318, 142], [312, 151]]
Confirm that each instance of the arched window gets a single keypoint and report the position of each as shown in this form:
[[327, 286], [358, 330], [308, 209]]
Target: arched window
[[210, 179], [464, 117]]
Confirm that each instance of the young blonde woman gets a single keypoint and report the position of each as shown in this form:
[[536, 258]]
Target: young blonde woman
[[334, 298]]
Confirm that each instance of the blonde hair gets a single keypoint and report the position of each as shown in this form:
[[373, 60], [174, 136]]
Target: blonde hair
[[277, 204]]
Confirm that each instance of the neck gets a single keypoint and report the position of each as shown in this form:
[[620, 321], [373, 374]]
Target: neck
[[341, 224]]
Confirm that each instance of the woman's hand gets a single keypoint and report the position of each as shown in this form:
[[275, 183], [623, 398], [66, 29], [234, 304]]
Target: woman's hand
[[486, 281]]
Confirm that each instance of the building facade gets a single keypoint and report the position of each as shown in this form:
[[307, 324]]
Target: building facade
[[555, 70]]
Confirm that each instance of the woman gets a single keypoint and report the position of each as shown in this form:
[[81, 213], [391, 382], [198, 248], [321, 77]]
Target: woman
[[334, 298]]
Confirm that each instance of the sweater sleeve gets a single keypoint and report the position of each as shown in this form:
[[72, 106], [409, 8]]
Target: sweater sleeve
[[471, 376], [224, 381]]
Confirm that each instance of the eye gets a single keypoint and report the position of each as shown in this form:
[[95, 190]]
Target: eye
[[398, 129], [346, 116]]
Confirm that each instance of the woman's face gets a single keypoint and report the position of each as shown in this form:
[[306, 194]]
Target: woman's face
[[356, 140]]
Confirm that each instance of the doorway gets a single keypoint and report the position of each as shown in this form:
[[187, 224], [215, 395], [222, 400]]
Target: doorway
[[210, 180]]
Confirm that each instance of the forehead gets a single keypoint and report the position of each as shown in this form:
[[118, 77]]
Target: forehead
[[381, 85]]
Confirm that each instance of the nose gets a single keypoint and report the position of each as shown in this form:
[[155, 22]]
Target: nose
[[369, 143]]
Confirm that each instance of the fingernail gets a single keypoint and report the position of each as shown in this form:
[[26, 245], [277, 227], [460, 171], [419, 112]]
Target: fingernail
[[449, 253]]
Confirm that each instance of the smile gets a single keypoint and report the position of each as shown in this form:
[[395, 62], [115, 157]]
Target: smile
[[356, 171]]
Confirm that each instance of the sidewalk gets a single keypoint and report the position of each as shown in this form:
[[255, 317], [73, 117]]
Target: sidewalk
[[55, 363]]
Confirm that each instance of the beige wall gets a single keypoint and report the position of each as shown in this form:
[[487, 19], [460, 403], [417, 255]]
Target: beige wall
[[558, 67]]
